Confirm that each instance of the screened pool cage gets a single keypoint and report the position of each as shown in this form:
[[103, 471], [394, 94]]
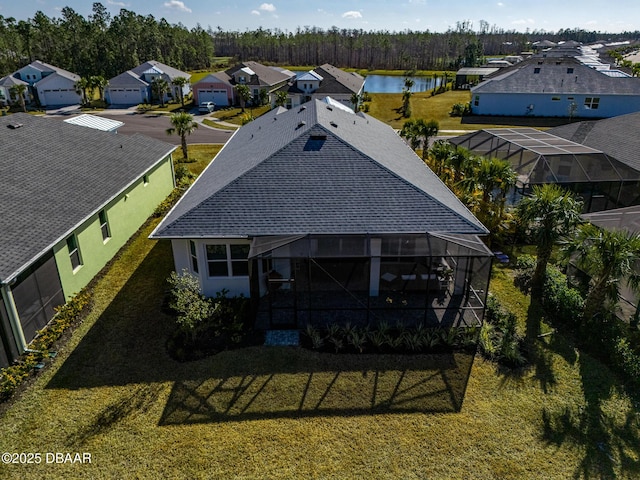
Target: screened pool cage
[[538, 157], [429, 279]]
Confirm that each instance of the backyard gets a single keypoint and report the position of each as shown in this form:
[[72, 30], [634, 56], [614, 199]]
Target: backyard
[[283, 412]]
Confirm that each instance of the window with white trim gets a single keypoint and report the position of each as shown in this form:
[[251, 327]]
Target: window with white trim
[[592, 103], [74, 252], [104, 225], [228, 260], [194, 256]]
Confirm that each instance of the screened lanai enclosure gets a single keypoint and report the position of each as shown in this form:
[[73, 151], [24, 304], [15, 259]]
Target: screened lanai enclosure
[[538, 157], [435, 280]]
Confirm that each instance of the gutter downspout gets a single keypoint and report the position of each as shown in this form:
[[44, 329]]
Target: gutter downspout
[[14, 318]]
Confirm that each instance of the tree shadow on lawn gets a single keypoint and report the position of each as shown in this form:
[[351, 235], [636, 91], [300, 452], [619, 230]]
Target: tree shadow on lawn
[[611, 445], [126, 346]]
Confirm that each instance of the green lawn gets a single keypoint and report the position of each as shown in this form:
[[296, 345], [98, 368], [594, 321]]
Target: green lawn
[[289, 413]]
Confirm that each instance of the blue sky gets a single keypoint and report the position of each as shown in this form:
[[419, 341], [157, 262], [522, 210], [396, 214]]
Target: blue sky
[[550, 15]]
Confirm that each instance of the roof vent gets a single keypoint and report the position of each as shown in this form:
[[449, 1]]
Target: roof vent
[[302, 108], [330, 109], [13, 126], [301, 124], [333, 124]]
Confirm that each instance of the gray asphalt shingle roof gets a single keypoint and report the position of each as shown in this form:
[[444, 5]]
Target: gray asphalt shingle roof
[[335, 80], [554, 76], [55, 175], [166, 69], [317, 170], [616, 136], [266, 76]]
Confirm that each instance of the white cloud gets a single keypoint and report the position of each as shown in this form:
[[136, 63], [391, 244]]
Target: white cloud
[[418, 2], [255, 12], [117, 4], [500, 4], [177, 5], [592, 22], [524, 21], [352, 14], [268, 7]]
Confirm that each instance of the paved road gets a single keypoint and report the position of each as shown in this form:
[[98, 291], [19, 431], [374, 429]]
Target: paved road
[[151, 124], [155, 126]]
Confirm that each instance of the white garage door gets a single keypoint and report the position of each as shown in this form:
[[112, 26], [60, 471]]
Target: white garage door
[[219, 97], [60, 96], [125, 96]]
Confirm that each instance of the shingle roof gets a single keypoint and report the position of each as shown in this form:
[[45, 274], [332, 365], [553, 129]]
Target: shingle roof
[[266, 75], [553, 77], [616, 136], [318, 170], [45, 67], [126, 78], [10, 81], [152, 64], [55, 175], [338, 81]]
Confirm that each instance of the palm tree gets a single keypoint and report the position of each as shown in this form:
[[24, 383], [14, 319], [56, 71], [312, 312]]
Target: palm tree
[[100, 83], [159, 86], [180, 82], [281, 98], [609, 257], [244, 94], [355, 101], [418, 132], [183, 125], [549, 213], [492, 174], [81, 89], [17, 92]]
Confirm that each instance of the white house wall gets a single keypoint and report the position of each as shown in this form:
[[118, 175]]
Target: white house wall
[[209, 285], [544, 105], [57, 90]]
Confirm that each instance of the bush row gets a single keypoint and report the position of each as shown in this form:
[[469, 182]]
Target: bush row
[[563, 306], [348, 338], [499, 338], [66, 316]]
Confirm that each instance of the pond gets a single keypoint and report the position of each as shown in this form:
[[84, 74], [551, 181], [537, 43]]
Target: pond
[[394, 84]]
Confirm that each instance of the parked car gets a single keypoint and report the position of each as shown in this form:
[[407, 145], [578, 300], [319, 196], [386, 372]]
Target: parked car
[[206, 107]]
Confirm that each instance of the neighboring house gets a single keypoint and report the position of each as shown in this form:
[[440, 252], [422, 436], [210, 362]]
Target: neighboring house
[[51, 86], [71, 197], [134, 86], [321, 82], [219, 87], [6, 83], [548, 85], [602, 179], [467, 77], [319, 215]]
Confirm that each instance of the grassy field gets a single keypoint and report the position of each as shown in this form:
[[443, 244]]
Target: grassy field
[[273, 412]]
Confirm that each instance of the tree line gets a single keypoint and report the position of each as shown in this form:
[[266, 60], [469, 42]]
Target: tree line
[[107, 45], [101, 44], [424, 50]]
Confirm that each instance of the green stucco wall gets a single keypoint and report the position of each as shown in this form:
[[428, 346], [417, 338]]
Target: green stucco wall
[[125, 215]]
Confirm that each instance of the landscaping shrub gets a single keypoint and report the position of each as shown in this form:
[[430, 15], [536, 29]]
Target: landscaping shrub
[[561, 302], [460, 109], [627, 360], [168, 202], [206, 325], [499, 339], [347, 338], [66, 316]]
